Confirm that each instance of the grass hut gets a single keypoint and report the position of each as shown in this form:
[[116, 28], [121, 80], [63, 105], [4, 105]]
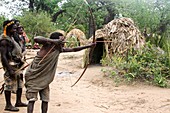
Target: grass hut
[[115, 38], [75, 38]]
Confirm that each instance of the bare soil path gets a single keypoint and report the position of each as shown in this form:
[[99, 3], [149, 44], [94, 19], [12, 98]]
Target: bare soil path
[[95, 93]]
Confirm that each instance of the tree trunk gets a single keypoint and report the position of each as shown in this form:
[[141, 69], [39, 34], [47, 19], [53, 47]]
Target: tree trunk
[[31, 5], [54, 17], [90, 27]]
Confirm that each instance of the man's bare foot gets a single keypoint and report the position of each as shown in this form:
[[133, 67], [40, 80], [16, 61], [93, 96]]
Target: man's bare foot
[[11, 108]]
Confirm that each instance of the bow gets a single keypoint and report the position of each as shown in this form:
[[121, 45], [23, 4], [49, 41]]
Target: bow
[[91, 49]]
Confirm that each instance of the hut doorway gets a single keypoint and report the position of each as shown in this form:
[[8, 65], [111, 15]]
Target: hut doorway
[[98, 52]]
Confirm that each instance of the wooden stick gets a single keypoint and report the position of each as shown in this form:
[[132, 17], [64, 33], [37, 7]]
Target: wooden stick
[[17, 71], [46, 55]]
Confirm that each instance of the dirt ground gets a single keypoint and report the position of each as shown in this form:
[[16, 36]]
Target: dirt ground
[[95, 93]]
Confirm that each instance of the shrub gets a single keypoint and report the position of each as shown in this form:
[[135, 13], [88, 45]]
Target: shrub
[[149, 64]]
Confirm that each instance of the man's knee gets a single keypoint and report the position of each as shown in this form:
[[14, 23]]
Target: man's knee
[[31, 96]]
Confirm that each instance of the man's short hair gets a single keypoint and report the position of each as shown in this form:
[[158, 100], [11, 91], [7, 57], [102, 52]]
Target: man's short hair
[[55, 35], [8, 24]]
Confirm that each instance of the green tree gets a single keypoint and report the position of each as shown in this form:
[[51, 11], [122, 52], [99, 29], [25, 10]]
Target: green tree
[[36, 23], [52, 7], [2, 19]]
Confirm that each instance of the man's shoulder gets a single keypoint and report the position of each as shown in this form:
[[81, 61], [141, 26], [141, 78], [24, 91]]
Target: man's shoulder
[[5, 39]]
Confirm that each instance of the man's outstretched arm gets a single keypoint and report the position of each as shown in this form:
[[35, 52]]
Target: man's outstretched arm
[[78, 48]]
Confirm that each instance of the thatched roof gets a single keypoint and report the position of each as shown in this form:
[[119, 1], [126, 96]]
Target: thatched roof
[[120, 35], [76, 35]]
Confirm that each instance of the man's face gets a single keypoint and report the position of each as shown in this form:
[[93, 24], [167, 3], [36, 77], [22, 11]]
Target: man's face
[[14, 29], [20, 30]]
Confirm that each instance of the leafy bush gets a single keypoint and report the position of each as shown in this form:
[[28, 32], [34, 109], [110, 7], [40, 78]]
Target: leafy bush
[[2, 19], [149, 64], [72, 42]]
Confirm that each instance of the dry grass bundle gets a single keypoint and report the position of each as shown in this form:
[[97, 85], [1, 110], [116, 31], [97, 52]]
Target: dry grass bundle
[[99, 34], [76, 36], [122, 35]]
